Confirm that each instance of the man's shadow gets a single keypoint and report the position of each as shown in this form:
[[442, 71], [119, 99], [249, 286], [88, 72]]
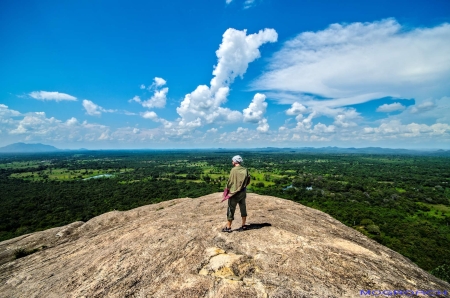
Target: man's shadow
[[254, 226]]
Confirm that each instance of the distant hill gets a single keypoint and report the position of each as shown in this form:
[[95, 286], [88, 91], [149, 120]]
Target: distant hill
[[28, 148], [367, 150], [39, 148]]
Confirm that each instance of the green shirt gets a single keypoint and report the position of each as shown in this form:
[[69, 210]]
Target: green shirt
[[239, 179]]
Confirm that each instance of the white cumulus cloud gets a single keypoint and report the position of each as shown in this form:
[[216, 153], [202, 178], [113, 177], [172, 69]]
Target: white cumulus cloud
[[237, 50], [158, 100], [159, 82], [346, 117], [235, 53], [255, 112], [135, 99], [320, 128], [72, 121], [388, 108], [159, 97], [5, 112], [150, 115], [56, 96], [35, 123], [263, 126], [256, 109], [395, 129], [296, 109], [36, 126]]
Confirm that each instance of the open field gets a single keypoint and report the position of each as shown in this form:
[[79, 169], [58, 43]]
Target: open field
[[24, 164], [65, 174], [437, 210]]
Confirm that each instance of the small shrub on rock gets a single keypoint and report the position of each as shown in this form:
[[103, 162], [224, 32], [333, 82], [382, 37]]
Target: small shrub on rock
[[22, 252], [373, 229], [442, 272], [366, 222]]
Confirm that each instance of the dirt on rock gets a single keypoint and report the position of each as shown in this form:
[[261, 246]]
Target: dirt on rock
[[176, 249]]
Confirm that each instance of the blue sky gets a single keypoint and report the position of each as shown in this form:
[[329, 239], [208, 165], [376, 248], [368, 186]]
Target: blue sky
[[221, 73]]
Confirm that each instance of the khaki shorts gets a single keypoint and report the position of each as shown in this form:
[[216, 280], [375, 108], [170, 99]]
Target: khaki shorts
[[238, 198]]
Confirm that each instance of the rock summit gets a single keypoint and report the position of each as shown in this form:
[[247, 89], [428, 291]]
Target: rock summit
[[176, 249]]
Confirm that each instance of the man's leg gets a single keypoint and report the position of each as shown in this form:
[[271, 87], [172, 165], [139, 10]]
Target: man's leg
[[243, 208], [232, 203]]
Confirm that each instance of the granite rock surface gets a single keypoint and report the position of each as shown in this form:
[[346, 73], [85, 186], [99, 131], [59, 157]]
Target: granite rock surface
[[176, 249]]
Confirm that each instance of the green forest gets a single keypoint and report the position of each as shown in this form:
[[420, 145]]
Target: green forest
[[401, 201]]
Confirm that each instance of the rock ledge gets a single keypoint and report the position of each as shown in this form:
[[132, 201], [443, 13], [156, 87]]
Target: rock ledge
[[176, 249]]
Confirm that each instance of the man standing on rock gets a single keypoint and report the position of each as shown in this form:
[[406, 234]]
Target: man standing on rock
[[235, 192]]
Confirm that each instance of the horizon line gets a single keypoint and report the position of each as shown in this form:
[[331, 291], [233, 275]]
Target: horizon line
[[225, 148]]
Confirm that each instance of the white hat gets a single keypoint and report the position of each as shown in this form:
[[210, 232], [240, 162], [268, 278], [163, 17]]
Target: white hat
[[237, 159]]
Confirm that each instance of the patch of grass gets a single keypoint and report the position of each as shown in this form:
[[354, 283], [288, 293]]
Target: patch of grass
[[129, 182], [23, 164], [217, 176], [342, 182], [63, 174], [436, 210]]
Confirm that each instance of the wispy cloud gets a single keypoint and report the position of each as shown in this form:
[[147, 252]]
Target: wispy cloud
[[249, 3], [94, 109], [246, 5], [423, 107], [56, 96], [428, 111], [322, 73], [363, 60]]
